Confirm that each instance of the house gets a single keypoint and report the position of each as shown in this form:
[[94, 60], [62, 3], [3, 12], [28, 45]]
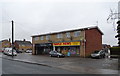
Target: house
[[104, 46], [22, 45], [79, 42], [5, 43]]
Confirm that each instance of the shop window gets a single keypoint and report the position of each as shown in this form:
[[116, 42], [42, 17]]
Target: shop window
[[41, 38], [76, 33], [47, 37], [68, 34], [59, 35]]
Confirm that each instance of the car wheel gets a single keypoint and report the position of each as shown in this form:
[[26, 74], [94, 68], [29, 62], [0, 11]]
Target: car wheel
[[50, 55], [58, 56], [100, 57]]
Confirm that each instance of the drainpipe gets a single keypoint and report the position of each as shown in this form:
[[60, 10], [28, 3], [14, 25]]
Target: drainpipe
[[53, 48], [84, 43]]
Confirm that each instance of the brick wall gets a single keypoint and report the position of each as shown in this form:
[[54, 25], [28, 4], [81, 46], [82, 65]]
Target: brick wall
[[55, 39], [16, 45], [6, 44], [93, 41]]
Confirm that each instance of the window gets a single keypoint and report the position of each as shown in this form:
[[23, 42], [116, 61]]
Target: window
[[36, 38], [76, 33], [68, 34], [41, 38], [23, 45], [47, 37], [59, 35]]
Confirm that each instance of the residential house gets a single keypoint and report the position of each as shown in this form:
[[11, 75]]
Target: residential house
[[22, 45], [5, 43]]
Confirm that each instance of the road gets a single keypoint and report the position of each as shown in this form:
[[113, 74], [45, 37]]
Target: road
[[15, 67], [0, 64], [74, 64]]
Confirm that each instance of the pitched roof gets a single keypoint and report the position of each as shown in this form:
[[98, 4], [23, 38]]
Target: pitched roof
[[23, 42], [4, 40], [87, 28]]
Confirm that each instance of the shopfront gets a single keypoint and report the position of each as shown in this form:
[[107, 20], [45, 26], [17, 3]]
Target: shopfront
[[43, 48], [68, 47]]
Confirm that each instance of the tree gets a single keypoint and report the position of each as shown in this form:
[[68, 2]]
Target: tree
[[118, 31]]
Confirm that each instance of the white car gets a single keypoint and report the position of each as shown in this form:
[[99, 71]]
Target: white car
[[28, 51], [8, 51], [98, 54]]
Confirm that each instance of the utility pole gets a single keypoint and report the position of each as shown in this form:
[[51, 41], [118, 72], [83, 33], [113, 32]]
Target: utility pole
[[12, 37]]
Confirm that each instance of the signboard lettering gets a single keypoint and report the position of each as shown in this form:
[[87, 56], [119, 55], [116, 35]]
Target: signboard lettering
[[66, 43]]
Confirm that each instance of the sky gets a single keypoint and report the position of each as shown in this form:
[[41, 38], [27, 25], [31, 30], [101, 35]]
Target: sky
[[34, 17]]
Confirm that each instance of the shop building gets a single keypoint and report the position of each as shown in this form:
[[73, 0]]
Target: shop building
[[78, 42]]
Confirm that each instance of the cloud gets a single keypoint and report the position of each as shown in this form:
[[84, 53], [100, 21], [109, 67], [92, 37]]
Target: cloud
[[41, 17], [59, 1]]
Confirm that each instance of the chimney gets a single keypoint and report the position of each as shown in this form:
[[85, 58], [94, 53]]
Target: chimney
[[9, 40], [24, 40]]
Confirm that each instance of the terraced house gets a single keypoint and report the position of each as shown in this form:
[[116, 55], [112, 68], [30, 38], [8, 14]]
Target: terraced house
[[79, 42]]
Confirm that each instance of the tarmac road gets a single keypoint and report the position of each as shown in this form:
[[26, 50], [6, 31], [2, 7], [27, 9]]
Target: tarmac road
[[74, 64], [14, 67], [0, 64]]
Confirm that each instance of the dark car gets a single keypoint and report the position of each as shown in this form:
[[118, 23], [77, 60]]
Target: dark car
[[56, 54], [18, 51], [98, 54]]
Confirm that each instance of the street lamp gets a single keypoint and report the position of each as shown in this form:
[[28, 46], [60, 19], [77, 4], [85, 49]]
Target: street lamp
[[12, 37]]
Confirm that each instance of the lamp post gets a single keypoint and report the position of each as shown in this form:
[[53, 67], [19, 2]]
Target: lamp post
[[12, 37]]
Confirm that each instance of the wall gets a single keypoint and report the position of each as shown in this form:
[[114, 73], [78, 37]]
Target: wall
[[53, 38], [6, 44], [93, 41], [25, 47], [16, 45]]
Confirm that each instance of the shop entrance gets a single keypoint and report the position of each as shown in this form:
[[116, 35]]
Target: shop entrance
[[41, 49], [38, 50]]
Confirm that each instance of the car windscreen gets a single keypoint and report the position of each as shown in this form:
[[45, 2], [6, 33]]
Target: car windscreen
[[11, 50]]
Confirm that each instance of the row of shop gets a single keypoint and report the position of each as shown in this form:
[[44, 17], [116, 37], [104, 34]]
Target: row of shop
[[63, 47]]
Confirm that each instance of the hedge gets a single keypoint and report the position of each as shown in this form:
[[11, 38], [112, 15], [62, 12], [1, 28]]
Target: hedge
[[115, 50]]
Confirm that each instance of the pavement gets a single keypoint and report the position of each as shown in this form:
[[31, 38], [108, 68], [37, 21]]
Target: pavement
[[75, 64]]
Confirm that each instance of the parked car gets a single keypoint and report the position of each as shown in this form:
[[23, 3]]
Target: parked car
[[98, 54], [28, 51], [8, 51], [18, 51], [2, 49], [56, 54]]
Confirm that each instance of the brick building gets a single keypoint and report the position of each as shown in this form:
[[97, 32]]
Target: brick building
[[104, 46], [5, 43], [79, 42], [22, 45]]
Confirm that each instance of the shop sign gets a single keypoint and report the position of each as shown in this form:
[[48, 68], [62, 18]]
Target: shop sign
[[66, 44], [46, 44]]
